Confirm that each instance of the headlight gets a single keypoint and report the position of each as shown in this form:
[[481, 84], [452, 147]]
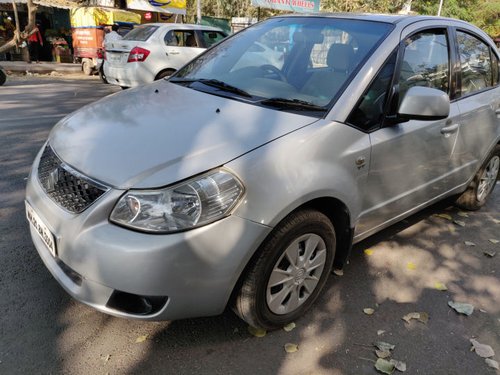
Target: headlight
[[187, 205]]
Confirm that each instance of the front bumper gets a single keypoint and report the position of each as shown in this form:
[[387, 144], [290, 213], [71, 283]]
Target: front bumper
[[192, 272]]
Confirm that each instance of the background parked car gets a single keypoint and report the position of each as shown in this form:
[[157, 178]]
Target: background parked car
[[155, 51]]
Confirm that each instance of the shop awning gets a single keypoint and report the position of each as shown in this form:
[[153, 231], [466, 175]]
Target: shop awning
[[64, 4], [161, 6]]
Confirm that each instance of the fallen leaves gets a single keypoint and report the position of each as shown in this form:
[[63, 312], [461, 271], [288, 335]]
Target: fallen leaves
[[489, 253], [368, 252], [492, 363], [141, 339], [462, 308], [444, 216], [384, 366], [463, 214], [469, 243], [440, 286], [482, 350], [459, 223], [338, 272], [291, 348], [289, 327], [257, 332], [411, 266], [493, 241], [399, 365], [384, 346], [368, 311], [422, 317], [383, 353]]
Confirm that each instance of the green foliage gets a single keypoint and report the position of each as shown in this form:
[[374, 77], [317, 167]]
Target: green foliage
[[483, 13]]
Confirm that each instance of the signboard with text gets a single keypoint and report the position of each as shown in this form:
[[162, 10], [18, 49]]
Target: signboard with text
[[300, 6]]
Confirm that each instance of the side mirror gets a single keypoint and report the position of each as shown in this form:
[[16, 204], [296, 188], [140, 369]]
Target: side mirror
[[424, 103]]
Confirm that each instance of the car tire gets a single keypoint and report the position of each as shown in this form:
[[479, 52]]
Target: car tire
[[164, 73], [87, 67], [483, 183], [275, 291], [102, 76], [3, 77]]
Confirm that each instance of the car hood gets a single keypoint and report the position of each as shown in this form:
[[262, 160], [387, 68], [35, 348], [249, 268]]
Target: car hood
[[161, 133]]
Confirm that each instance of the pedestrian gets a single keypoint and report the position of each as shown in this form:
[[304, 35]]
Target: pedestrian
[[35, 42], [113, 34]]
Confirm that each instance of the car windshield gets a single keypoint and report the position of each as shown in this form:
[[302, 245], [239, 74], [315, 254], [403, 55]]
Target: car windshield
[[300, 63], [141, 33]]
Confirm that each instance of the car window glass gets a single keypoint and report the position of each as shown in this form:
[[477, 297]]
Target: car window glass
[[181, 38], [495, 65], [425, 62], [306, 59], [475, 61], [368, 113], [141, 33], [211, 37]]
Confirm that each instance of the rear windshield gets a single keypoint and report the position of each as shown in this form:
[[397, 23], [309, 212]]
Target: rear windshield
[[141, 33]]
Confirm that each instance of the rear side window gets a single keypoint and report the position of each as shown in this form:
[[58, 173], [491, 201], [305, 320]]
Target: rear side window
[[212, 37], [425, 62], [495, 65], [181, 38], [141, 33], [475, 61]]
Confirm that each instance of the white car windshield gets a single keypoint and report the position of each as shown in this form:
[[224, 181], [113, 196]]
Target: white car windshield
[[299, 63]]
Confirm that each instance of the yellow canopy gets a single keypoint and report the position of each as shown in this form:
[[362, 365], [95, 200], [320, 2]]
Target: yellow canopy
[[95, 16]]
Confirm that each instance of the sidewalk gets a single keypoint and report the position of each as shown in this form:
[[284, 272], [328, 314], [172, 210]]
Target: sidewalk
[[42, 67]]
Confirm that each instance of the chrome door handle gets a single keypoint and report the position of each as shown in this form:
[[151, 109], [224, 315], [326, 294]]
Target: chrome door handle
[[447, 130], [174, 52]]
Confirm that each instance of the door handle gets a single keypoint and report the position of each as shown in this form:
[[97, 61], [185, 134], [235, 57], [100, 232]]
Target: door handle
[[174, 52], [447, 130]]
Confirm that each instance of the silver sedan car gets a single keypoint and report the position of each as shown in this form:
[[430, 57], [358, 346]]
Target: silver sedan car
[[245, 184]]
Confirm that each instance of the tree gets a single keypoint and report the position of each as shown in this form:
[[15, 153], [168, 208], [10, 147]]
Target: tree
[[20, 36]]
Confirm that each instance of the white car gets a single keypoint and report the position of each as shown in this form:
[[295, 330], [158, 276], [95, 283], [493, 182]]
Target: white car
[[156, 50]]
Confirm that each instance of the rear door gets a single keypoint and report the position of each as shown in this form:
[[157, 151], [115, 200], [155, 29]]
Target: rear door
[[412, 162], [180, 46], [479, 100]]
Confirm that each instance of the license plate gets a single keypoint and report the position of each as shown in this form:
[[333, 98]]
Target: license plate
[[41, 229], [114, 58]]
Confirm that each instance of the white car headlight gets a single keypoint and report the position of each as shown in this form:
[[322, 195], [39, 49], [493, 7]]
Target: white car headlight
[[192, 203]]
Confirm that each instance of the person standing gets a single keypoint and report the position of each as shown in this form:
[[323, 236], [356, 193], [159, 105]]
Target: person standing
[[112, 35], [35, 42]]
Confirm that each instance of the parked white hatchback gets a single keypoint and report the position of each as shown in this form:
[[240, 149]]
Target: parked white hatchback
[[156, 50]]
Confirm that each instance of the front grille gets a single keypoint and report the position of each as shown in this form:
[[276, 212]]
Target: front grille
[[68, 188]]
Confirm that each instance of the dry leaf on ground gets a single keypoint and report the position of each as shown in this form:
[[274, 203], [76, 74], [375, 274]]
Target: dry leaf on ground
[[462, 308], [399, 365], [383, 353], [384, 366], [463, 214], [368, 311], [482, 350], [381, 345], [380, 332], [411, 266], [489, 253], [289, 327], [492, 363], [440, 286], [368, 251], [422, 317], [291, 348], [257, 332], [444, 216], [459, 223], [141, 338], [492, 240], [469, 243], [338, 272]]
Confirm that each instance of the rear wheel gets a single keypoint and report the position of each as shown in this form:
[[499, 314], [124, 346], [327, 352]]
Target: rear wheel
[[289, 272], [87, 67], [3, 77], [102, 75], [164, 74], [483, 183]]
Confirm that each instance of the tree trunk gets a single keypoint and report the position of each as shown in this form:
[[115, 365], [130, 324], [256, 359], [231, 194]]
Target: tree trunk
[[20, 36]]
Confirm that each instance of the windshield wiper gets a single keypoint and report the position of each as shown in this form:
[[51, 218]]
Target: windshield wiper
[[213, 83], [300, 105]]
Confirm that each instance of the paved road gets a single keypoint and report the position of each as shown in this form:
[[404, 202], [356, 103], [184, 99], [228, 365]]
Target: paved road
[[44, 331]]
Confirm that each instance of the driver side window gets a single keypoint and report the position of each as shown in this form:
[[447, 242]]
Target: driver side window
[[425, 62]]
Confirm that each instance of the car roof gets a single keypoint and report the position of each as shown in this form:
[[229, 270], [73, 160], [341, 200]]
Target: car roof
[[187, 26], [387, 18]]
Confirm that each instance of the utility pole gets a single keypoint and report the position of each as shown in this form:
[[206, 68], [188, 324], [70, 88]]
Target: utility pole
[[198, 12], [440, 7]]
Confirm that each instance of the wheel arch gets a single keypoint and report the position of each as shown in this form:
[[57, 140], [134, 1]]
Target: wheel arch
[[157, 76], [338, 214]]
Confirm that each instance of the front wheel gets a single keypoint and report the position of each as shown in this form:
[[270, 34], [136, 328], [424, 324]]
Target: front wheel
[[483, 183], [289, 271]]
